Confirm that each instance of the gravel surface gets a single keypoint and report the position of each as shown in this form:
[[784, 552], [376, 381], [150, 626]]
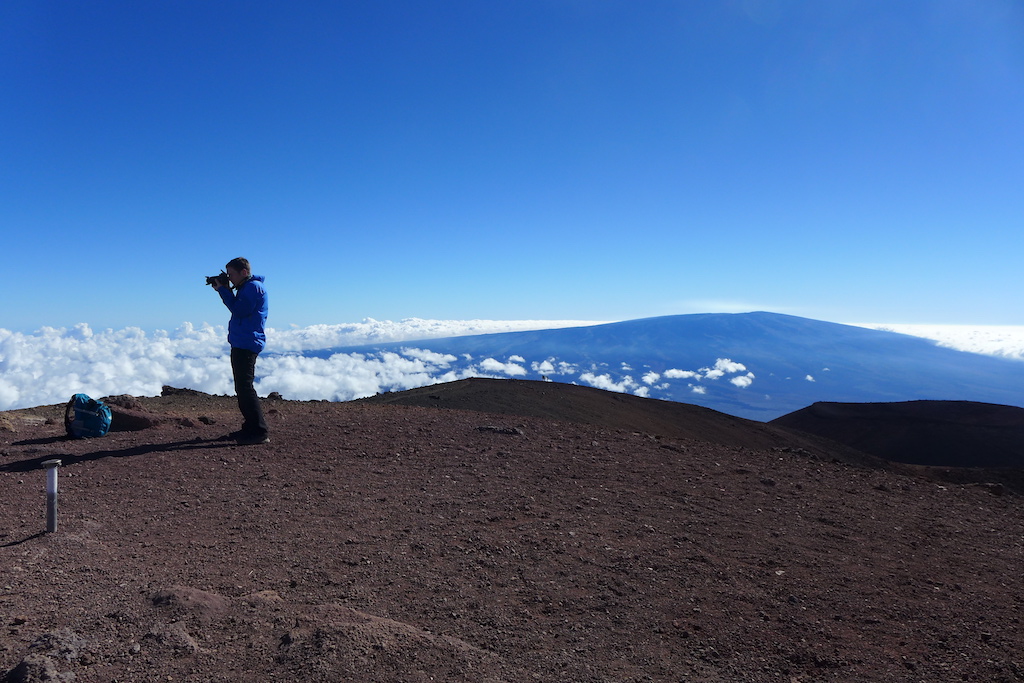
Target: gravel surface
[[380, 542]]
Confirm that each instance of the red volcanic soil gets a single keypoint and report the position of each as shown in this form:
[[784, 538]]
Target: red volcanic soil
[[383, 542]]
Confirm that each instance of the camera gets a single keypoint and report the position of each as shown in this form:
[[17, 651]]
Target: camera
[[221, 279]]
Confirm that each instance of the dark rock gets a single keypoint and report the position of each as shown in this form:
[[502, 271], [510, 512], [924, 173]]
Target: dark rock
[[501, 430], [124, 401], [128, 420]]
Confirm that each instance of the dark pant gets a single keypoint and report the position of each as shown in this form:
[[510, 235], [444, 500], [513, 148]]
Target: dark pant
[[243, 367]]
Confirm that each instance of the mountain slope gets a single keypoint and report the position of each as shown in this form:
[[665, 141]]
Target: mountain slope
[[586, 405], [934, 433], [753, 365]]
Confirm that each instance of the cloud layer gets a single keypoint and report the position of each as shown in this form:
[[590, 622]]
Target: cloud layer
[[1003, 341], [50, 365]]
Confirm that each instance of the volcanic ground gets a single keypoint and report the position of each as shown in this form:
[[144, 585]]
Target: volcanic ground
[[492, 531]]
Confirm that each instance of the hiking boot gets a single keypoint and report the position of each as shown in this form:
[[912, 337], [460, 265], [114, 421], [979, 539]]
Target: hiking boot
[[252, 439]]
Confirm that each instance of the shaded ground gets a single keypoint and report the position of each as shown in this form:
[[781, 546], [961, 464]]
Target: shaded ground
[[937, 433], [375, 542], [955, 440]]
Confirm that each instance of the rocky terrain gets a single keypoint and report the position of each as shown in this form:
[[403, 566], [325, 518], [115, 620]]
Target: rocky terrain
[[530, 532]]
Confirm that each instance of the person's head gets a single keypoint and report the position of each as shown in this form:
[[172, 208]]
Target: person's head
[[238, 270]]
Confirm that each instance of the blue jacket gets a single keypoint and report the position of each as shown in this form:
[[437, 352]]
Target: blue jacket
[[248, 308]]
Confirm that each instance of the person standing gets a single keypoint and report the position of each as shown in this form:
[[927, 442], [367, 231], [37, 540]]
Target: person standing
[[246, 298]]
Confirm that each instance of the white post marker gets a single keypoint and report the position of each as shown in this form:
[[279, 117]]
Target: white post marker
[[51, 494]]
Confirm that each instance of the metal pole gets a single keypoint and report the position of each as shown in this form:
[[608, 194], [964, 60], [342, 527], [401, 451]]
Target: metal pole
[[51, 494]]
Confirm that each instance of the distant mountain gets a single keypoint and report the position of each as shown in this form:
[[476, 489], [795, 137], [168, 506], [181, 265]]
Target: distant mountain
[[933, 433], [753, 365]]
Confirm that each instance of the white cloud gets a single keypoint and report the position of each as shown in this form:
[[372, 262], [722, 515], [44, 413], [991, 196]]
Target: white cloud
[[440, 359], [627, 385], [722, 367], [543, 367], [344, 376], [495, 366], [743, 381], [727, 306], [606, 382], [51, 364], [371, 331], [549, 367], [1005, 341]]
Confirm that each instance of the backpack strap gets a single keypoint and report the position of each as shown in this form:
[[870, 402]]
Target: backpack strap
[[69, 415]]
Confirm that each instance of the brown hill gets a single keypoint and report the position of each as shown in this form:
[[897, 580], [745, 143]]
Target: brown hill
[[937, 433], [373, 542], [573, 403], [956, 440]]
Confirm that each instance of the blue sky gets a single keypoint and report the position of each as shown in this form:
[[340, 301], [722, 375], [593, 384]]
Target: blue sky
[[537, 159]]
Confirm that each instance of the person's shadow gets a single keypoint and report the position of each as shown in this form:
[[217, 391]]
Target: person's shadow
[[142, 449], [24, 540], [37, 463]]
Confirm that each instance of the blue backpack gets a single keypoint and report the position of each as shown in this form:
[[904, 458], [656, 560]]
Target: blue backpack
[[86, 417]]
